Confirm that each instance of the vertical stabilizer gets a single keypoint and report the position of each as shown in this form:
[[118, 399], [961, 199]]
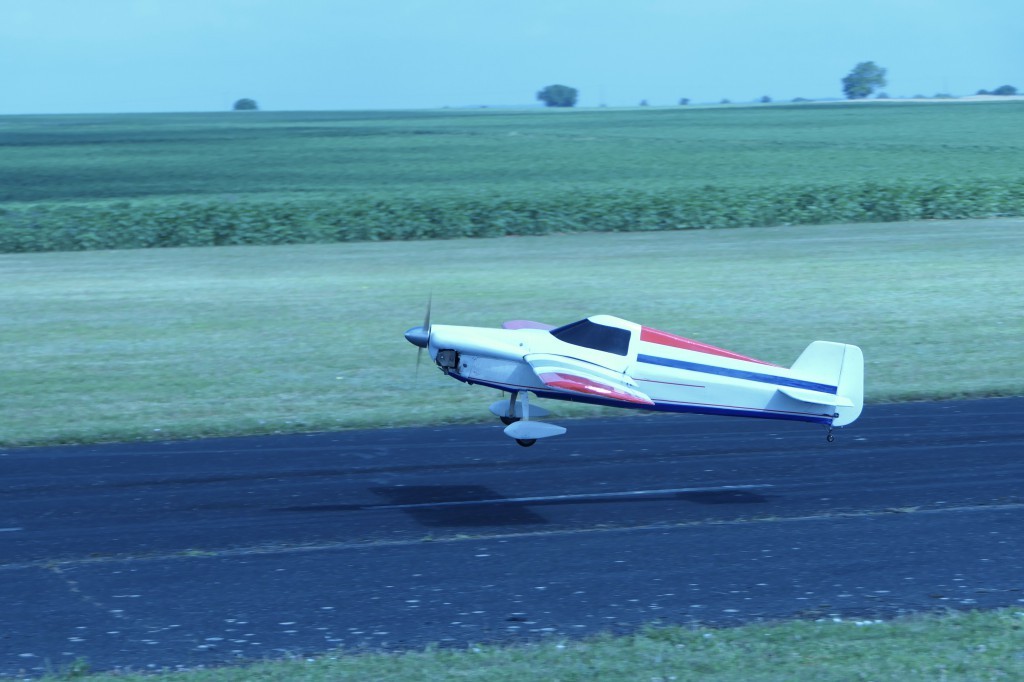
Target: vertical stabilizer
[[840, 365]]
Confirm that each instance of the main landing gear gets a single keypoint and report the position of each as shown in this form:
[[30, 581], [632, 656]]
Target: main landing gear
[[515, 415]]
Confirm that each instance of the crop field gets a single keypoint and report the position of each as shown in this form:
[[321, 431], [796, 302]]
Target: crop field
[[129, 181]]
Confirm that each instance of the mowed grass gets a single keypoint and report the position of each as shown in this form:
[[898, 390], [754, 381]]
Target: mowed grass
[[956, 646], [176, 343]]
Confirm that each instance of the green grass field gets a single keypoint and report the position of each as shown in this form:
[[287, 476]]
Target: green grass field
[[445, 152], [124, 181], [157, 343]]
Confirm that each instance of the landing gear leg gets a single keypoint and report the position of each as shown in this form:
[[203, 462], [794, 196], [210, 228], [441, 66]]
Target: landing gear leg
[[511, 415], [830, 437], [526, 442]]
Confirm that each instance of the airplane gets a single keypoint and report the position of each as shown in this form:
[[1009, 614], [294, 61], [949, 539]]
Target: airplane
[[606, 360]]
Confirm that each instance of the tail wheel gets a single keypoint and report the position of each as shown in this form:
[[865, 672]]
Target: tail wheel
[[526, 442]]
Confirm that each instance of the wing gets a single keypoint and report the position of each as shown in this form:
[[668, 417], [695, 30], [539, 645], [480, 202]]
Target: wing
[[568, 375], [526, 324]]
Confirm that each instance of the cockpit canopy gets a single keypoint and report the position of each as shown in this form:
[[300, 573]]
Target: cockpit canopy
[[589, 334]]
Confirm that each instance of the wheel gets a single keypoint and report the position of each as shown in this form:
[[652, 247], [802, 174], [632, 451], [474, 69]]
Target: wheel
[[526, 442], [830, 438], [508, 420]]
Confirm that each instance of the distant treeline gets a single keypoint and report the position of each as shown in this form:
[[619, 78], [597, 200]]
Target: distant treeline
[[167, 223]]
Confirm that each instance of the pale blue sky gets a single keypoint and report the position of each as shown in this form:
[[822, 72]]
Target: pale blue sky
[[79, 56]]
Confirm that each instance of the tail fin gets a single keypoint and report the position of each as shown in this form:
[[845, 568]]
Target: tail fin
[[840, 365]]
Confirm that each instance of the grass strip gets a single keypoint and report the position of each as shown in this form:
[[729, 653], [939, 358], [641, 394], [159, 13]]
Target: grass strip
[[955, 646]]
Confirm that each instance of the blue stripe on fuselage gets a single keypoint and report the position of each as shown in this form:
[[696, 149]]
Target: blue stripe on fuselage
[[736, 373], [693, 408]]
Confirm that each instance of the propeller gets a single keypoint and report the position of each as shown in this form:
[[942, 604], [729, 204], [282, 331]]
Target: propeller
[[420, 336]]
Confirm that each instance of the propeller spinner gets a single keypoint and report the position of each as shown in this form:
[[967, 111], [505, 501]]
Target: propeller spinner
[[420, 336]]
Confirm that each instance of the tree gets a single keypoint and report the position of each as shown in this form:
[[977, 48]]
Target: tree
[[246, 104], [1005, 90], [683, 101], [765, 99], [558, 96], [863, 80]]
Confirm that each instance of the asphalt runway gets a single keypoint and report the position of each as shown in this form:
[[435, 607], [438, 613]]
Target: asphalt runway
[[177, 554]]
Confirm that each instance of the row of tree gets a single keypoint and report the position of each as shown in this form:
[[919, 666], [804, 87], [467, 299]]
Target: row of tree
[[866, 77], [864, 80], [1002, 90], [861, 82]]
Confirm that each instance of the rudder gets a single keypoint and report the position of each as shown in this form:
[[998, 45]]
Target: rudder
[[851, 385]]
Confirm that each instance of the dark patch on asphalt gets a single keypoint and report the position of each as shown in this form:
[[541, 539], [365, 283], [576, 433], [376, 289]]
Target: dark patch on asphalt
[[456, 506], [474, 505]]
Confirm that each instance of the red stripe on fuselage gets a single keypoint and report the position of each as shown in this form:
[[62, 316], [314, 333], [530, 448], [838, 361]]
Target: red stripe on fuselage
[[571, 382], [665, 339]]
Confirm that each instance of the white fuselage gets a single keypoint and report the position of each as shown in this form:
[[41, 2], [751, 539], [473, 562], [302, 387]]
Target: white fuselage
[[677, 374]]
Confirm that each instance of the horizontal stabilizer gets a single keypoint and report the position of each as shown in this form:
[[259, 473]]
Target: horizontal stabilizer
[[500, 409], [815, 397], [533, 430]]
